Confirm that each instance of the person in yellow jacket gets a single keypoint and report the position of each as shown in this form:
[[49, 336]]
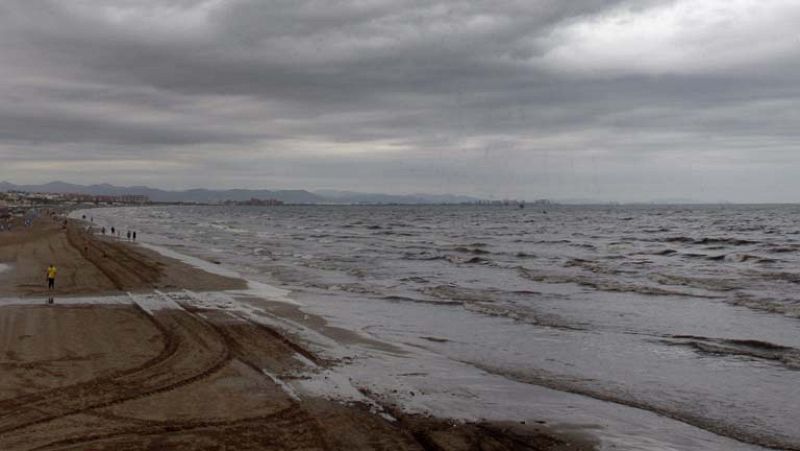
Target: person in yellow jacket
[[51, 277]]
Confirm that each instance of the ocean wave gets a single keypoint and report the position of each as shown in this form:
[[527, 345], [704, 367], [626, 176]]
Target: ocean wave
[[709, 240], [552, 241], [415, 279], [586, 387], [398, 298], [781, 276], [741, 228], [606, 285], [787, 356], [477, 244], [694, 255], [456, 259], [494, 302], [666, 252], [524, 316], [678, 239], [657, 230], [354, 288], [785, 306], [228, 228], [468, 261], [726, 241], [524, 255], [782, 249], [394, 233], [484, 303], [614, 257], [592, 266], [695, 282], [423, 256], [739, 258], [755, 258], [474, 294], [470, 250], [435, 339]]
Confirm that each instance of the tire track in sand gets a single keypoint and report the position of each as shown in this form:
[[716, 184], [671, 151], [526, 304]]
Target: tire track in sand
[[286, 429], [194, 350]]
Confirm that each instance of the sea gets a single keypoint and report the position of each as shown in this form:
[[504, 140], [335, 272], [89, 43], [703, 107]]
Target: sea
[[653, 327]]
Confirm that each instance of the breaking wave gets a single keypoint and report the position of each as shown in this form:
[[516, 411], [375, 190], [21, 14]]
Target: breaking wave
[[611, 285], [707, 241], [785, 355]]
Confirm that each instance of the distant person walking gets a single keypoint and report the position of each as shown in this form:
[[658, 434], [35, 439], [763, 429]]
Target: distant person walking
[[51, 277], [134, 235], [129, 235], [112, 231]]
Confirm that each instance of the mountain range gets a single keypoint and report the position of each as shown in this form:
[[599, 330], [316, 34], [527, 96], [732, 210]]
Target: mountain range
[[217, 196]]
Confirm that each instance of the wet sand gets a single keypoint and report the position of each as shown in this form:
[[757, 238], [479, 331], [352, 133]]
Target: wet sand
[[136, 374]]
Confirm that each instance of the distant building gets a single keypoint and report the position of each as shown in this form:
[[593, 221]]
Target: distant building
[[127, 199], [134, 199], [78, 197], [253, 202], [25, 199]]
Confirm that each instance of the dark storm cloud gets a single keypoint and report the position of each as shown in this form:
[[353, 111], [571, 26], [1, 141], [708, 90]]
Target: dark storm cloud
[[61, 128], [519, 98]]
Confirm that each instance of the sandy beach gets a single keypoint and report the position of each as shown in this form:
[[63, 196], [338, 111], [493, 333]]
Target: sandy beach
[[117, 361]]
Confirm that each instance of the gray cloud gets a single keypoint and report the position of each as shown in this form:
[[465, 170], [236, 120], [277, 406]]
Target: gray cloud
[[613, 99]]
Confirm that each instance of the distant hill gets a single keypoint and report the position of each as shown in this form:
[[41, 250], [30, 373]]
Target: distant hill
[[217, 196]]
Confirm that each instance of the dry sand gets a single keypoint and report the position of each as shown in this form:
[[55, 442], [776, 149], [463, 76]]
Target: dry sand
[[117, 377]]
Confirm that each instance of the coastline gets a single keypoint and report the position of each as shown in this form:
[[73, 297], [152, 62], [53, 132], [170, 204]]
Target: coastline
[[128, 357]]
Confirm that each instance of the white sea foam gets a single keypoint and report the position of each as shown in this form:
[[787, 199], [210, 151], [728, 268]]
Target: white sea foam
[[153, 302], [283, 385], [80, 300], [254, 288]]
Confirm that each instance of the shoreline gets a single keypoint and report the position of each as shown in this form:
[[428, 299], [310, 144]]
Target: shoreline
[[421, 357], [122, 357]]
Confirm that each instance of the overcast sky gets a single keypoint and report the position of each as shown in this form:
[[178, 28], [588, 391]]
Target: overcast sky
[[602, 99]]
